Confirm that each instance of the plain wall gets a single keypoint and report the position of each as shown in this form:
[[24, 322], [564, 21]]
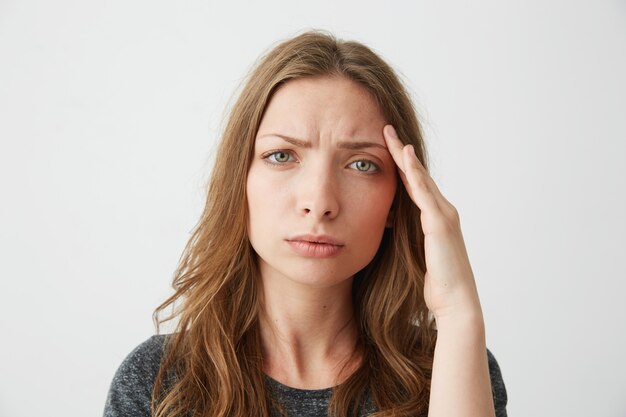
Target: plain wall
[[109, 113]]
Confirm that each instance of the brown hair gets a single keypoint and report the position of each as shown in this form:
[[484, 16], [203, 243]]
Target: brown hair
[[212, 364]]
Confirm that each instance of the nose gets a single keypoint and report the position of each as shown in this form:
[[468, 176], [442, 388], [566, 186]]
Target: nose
[[318, 194]]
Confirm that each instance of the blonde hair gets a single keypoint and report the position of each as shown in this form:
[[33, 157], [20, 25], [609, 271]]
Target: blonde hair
[[212, 364]]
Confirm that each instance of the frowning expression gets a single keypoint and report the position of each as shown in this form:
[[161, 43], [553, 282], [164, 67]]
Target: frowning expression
[[321, 182]]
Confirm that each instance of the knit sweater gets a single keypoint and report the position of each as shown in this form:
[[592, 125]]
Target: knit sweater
[[130, 392]]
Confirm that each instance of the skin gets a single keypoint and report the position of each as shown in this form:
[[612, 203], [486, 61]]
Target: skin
[[321, 188], [309, 334], [460, 368]]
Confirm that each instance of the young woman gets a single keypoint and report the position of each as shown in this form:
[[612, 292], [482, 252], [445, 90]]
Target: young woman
[[328, 274]]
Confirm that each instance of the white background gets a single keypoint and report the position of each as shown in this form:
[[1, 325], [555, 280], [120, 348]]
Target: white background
[[109, 111]]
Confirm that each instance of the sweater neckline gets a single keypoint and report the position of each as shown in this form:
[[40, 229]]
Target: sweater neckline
[[321, 392]]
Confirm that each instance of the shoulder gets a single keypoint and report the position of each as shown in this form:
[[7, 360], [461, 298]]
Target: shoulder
[[497, 385], [130, 392]]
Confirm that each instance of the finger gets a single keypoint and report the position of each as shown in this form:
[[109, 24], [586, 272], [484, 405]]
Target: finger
[[401, 156], [394, 145], [420, 188], [443, 203], [397, 149], [415, 163]]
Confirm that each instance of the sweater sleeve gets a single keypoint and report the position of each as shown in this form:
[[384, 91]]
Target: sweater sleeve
[[130, 393], [497, 386]]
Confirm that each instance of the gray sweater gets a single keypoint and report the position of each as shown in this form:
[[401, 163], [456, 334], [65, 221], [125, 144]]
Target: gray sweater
[[131, 389]]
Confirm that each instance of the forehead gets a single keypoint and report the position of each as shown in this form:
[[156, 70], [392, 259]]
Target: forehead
[[322, 105]]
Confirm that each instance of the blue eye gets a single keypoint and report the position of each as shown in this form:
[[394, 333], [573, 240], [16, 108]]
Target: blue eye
[[365, 166], [278, 157]]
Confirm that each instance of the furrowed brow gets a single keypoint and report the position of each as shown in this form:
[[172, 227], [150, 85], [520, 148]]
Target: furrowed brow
[[342, 145], [297, 142], [360, 145]]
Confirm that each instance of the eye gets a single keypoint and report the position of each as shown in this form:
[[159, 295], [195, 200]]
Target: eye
[[366, 166], [277, 157]]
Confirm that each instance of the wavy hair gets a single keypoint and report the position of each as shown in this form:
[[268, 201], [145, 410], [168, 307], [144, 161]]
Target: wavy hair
[[212, 363]]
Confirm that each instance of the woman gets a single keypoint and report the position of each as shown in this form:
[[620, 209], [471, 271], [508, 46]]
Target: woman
[[324, 261]]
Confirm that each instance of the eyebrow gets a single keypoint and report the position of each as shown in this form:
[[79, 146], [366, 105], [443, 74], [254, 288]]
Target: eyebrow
[[342, 145]]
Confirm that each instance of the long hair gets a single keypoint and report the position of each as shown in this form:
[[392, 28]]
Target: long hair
[[212, 363]]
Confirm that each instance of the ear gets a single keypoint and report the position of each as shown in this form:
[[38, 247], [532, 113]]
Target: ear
[[390, 217]]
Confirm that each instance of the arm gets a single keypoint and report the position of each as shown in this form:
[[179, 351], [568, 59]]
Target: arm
[[460, 385]]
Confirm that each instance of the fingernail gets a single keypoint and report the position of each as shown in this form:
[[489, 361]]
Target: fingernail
[[392, 132]]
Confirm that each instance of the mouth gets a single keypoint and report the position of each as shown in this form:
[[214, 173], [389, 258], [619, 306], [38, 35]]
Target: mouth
[[313, 249], [316, 239], [315, 246], [319, 242]]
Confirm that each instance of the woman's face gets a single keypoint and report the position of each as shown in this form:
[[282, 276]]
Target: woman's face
[[321, 172]]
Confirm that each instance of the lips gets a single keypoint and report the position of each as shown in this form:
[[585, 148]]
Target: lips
[[315, 246], [316, 239]]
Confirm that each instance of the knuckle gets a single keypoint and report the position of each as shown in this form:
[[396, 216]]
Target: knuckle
[[421, 184], [453, 213], [449, 220]]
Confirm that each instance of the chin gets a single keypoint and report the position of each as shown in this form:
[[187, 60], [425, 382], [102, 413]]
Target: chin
[[317, 277], [315, 282]]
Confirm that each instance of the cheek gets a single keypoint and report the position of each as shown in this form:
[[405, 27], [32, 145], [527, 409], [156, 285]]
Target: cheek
[[264, 197], [372, 204], [254, 194], [369, 211]]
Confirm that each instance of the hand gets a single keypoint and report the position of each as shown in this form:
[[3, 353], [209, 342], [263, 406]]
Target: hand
[[449, 286]]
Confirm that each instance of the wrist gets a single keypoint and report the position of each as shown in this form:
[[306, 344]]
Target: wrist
[[461, 318]]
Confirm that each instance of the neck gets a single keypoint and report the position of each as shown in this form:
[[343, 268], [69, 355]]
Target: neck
[[308, 333]]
